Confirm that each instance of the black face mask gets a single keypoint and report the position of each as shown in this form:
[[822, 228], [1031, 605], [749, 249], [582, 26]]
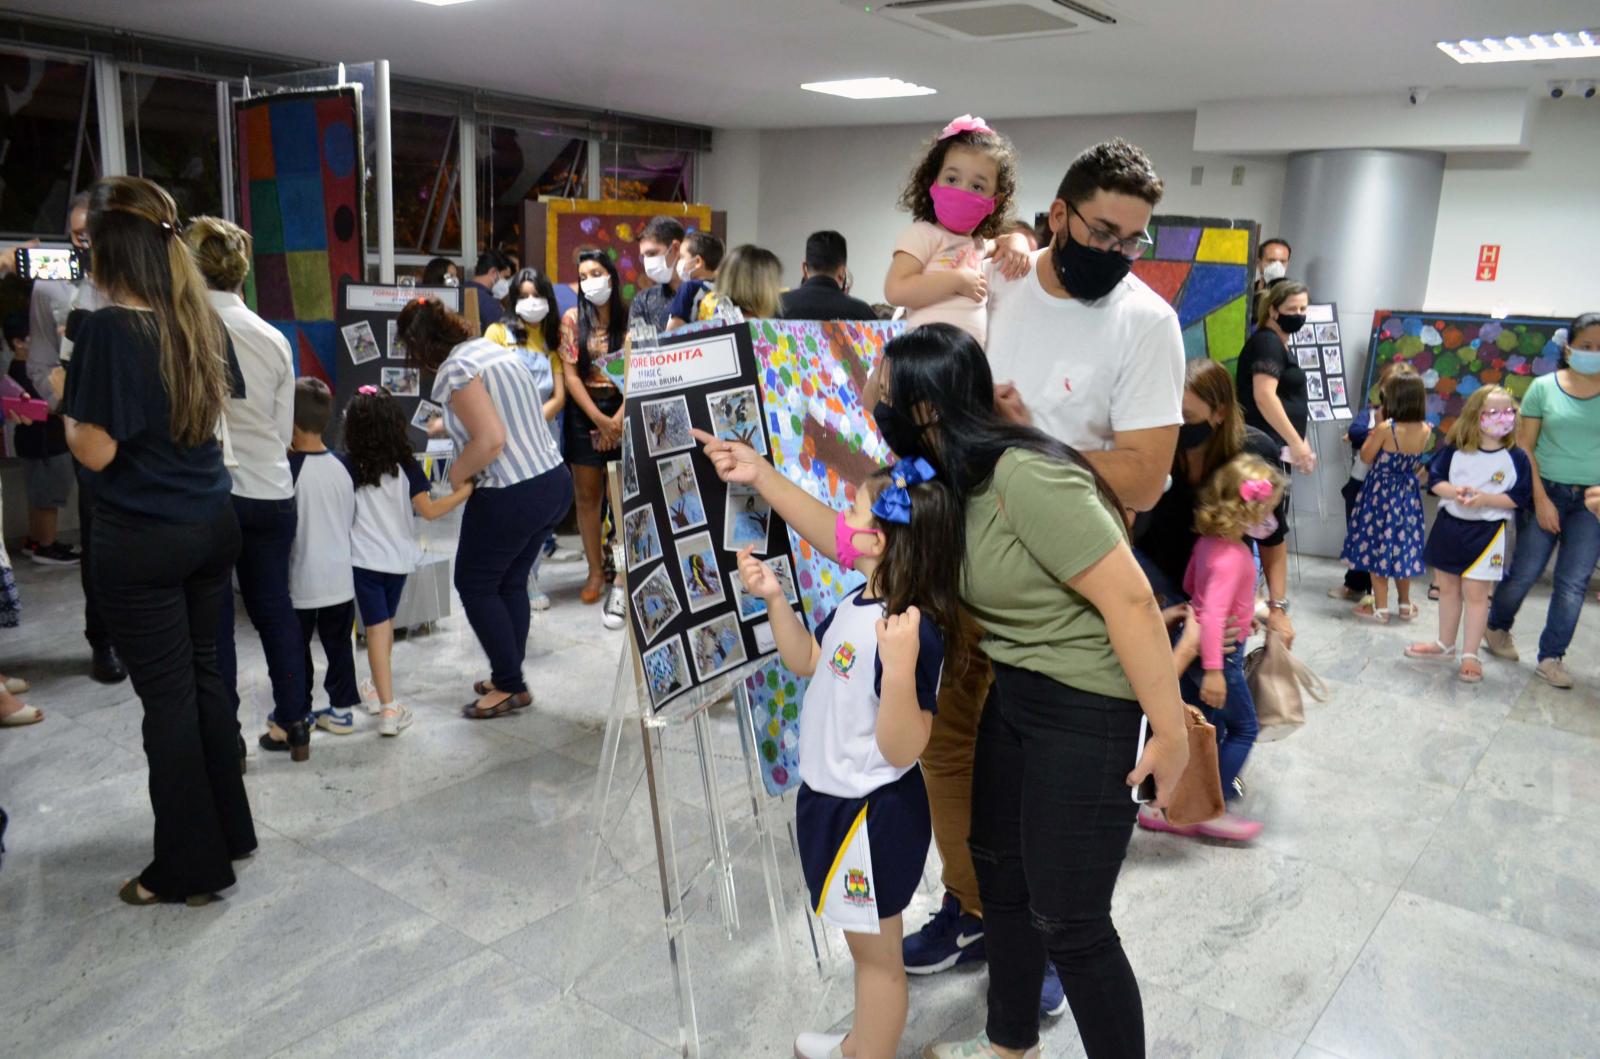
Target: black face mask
[[1291, 324], [1193, 435], [1086, 272], [903, 433]]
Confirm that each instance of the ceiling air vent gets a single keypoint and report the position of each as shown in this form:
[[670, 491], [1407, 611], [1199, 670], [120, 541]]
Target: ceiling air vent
[[994, 20]]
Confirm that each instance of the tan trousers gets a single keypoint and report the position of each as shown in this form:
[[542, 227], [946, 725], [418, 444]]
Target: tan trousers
[[947, 760]]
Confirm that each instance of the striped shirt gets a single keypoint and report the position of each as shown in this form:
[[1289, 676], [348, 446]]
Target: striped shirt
[[529, 450]]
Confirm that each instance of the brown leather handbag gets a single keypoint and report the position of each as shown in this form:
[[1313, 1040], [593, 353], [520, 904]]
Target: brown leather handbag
[[1279, 683], [1199, 794]]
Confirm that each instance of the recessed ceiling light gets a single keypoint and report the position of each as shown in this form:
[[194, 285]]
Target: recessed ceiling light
[[869, 88], [443, 3], [1533, 47]]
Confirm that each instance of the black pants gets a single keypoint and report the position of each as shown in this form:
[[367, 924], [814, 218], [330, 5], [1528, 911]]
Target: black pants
[[266, 529], [1051, 820], [335, 626], [1354, 580], [94, 625], [161, 585]]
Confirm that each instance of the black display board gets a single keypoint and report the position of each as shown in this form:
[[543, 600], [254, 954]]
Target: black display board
[[370, 355], [682, 526]]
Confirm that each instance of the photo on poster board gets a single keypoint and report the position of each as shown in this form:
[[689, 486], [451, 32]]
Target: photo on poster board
[[630, 465], [1336, 394], [700, 571], [1328, 334], [765, 640], [1306, 336], [1321, 412], [666, 425], [666, 671], [1332, 360], [716, 646], [361, 342], [426, 410], [1307, 358], [401, 382], [747, 520], [395, 347], [641, 543], [736, 416], [655, 603], [754, 606], [680, 488], [1314, 386]]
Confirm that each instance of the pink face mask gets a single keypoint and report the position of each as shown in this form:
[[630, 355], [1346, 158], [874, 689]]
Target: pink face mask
[[958, 209], [844, 539], [1497, 424]]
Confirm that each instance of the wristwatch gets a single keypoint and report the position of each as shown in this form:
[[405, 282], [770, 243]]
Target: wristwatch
[[1278, 604]]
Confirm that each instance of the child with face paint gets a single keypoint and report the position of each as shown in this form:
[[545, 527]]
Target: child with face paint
[[960, 197], [1482, 477], [862, 817]]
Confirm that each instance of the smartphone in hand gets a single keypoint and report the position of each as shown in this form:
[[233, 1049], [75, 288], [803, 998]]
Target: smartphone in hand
[[1145, 792]]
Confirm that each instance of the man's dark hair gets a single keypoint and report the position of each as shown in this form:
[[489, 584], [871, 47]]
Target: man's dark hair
[[487, 260], [16, 326], [664, 230], [313, 405], [706, 247], [826, 251], [1115, 165], [1274, 241]]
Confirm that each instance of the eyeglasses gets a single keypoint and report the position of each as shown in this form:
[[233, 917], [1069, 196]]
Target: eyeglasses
[[1133, 248]]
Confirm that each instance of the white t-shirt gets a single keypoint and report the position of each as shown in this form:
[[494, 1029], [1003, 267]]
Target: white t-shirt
[[1087, 369], [260, 424], [382, 539], [325, 503], [839, 752]]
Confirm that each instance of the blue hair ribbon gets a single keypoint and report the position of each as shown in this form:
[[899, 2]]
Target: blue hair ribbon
[[893, 503]]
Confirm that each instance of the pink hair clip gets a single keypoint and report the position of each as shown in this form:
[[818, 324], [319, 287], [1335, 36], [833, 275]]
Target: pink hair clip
[[367, 391], [1256, 489], [965, 123]]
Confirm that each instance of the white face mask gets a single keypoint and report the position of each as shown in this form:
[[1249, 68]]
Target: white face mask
[[1274, 271], [685, 270], [597, 289], [656, 267], [532, 310], [452, 280], [501, 288]]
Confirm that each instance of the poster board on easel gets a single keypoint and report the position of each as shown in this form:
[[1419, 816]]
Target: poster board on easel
[[1317, 350], [370, 353]]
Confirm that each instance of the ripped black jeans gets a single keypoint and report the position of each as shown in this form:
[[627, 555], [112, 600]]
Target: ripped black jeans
[[1051, 820]]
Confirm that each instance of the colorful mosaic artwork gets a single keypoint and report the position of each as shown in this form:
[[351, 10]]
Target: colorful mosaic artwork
[[1457, 354], [1201, 266], [299, 158], [613, 227], [824, 441]]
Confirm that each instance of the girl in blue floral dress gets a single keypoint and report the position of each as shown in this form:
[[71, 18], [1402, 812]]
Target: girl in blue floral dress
[[1386, 532]]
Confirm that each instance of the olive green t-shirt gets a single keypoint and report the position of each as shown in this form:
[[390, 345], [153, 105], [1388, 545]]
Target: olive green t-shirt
[[1036, 525]]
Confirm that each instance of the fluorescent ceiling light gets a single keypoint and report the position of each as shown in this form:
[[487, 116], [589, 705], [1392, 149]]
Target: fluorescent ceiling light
[[1534, 47], [869, 88], [443, 3]]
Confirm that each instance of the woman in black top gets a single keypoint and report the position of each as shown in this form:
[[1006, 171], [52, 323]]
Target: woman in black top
[[144, 394], [1272, 388]]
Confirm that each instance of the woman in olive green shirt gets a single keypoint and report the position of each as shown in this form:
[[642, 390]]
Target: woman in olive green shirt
[[1080, 654]]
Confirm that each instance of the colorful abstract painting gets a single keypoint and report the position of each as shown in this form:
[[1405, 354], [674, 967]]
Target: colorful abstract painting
[[613, 227], [300, 180], [1201, 266], [1456, 354], [824, 441]]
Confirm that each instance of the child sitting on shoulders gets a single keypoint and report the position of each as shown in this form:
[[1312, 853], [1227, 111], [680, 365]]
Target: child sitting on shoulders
[[862, 813], [699, 258], [1482, 477]]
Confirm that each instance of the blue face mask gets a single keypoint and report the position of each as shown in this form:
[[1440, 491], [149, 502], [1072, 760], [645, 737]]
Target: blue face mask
[[1584, 361]]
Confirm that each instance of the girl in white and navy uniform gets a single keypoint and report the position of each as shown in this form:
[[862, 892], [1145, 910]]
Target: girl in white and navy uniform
[[862, 813], [1482, 479]]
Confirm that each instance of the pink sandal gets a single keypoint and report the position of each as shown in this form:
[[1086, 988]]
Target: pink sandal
[[1367, 611], [1471, 671], [1155, 820], [1408, 611], [1435, 650]]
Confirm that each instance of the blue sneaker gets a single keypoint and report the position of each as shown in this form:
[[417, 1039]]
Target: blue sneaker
[[1052, 999], [339, 722], [951, 937]]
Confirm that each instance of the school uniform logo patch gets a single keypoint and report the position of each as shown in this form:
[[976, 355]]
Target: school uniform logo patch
[[857, 887], [1499, 478], [843, 660], [1497, 561]]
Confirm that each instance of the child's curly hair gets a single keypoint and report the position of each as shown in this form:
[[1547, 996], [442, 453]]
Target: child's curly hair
[[918, 198], [375, 437], [1223, 511]]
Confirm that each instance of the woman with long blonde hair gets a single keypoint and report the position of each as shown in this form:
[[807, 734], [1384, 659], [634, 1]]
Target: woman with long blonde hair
[[144, 396]]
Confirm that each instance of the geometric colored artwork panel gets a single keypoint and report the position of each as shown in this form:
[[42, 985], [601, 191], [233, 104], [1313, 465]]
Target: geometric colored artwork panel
[[302, 199], [613, 227], [1458, 353], [1201, 267]]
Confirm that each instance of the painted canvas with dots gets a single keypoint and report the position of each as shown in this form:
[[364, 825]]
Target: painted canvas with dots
[[301, 198], [811, 376], [1202, 267], [1457, 353]]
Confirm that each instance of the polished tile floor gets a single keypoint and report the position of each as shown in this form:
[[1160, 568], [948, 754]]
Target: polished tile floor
[[1426, 886]]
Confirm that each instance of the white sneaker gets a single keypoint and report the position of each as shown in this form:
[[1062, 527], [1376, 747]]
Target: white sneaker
[[394, 720], [819, 1046], [1553, 672], [977, 1048], [369, 698], [538, 600], [615, 611]]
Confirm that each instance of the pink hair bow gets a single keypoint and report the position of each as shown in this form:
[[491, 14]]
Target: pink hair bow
[[367, 391], [965, 123], [1256, 489]]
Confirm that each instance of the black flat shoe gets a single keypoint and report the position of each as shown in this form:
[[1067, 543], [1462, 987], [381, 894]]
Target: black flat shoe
[[130, 896], [296, 740], [106, 667]]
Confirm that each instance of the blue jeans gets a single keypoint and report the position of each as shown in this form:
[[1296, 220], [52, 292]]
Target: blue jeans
[[1579, 542], [502, 531], [1235, 722], [267, 530]]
